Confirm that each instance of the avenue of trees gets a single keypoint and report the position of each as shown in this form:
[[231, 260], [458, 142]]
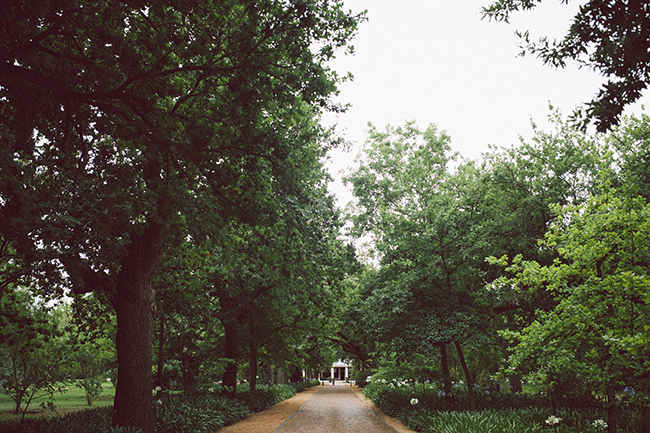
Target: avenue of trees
[[533, 262], [161, 175], [136, 134]]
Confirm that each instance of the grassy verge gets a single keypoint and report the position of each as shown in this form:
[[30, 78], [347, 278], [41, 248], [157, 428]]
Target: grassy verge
[[70, 400], [175, 413]]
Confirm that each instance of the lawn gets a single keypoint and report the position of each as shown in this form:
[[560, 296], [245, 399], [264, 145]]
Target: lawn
[[71, 399]]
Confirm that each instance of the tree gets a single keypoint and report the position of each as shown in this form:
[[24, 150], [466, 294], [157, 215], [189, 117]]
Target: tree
[[30, 348], [611, 37], [515, 189], [117, 118], [597, 329], [424, 229]]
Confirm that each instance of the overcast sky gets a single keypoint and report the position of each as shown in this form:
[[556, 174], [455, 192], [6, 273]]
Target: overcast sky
[[437, 61]]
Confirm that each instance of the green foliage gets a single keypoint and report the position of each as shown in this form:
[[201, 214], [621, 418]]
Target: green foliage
[[30, 349], [152, 123], [265, 396], [301, 386], [173, 413], [362, 377], [86, 421], [608, 37], [197, 414], [597, 330], [506, 421]]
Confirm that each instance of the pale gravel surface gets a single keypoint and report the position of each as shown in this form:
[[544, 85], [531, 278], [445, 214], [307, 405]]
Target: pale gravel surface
[[321, 409]]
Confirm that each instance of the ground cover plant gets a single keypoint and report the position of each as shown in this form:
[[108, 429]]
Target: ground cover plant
[[429, 409], [177, 413]]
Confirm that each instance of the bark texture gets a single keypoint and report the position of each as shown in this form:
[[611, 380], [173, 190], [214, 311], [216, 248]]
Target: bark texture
[[135, 307]]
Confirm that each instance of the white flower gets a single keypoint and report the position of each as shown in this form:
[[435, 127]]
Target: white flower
[[552, 420], [414, 401], [158, 388], [599, 423], [211, 389]]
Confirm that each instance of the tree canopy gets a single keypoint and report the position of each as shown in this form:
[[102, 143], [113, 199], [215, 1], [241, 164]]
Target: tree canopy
[[610, 37], [123, 123]]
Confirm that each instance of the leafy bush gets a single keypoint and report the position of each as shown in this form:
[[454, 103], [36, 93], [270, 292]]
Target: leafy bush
[[83, 421], [508, 421], [428, 410], [181, 414], [362, 378], [265, 396], [173, 413], [301, 386], [177, 414]]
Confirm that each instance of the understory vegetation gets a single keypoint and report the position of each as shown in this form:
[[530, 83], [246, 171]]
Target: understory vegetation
[[202, 413], [430, 410]]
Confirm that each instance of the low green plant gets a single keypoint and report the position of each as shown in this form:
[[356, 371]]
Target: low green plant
[[301, 386], [182, 414]]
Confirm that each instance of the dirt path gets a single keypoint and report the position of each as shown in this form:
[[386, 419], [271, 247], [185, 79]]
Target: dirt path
[[321, 409]]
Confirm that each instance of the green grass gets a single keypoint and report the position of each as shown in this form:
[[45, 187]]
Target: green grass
[[71, 399]]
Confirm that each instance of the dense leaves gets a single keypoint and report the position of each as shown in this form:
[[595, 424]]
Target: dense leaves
[[124, 123]]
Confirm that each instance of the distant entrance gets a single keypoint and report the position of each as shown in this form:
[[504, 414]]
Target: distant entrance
[[339, 371]]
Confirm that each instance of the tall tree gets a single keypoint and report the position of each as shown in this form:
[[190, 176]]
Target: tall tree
[[423, 229], [611, 37], [118, 116], [597, 329]]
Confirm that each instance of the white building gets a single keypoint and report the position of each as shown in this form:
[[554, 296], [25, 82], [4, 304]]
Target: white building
[[340, 370]]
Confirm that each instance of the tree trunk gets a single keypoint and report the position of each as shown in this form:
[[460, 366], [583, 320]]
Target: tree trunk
[[231, 347], [269, 371], [611, 412], [468, 376], [161, 342], [133, 400], [252, 366], [296, 375], [134, 307], [515, 383], [446, 377], [191, 367]]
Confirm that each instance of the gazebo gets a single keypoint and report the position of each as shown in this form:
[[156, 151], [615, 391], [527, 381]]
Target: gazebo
[[340, 370]]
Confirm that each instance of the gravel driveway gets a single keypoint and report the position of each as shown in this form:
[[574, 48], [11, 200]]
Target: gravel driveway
[[321, 409]]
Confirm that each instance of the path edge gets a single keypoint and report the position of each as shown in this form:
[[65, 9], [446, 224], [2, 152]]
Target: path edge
[[393, 423]]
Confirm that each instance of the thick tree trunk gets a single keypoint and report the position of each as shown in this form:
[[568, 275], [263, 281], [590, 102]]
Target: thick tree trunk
[[231, 346], [134, 307], [468, 376], [133, 399]]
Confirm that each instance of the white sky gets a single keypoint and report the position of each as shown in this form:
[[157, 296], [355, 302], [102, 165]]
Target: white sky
[[437, 61]]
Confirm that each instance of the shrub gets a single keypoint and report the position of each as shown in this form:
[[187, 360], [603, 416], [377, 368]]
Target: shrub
[[184, 414], [301, 386], [83, 421], [265, 396], [362, 378], [173, 413]]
